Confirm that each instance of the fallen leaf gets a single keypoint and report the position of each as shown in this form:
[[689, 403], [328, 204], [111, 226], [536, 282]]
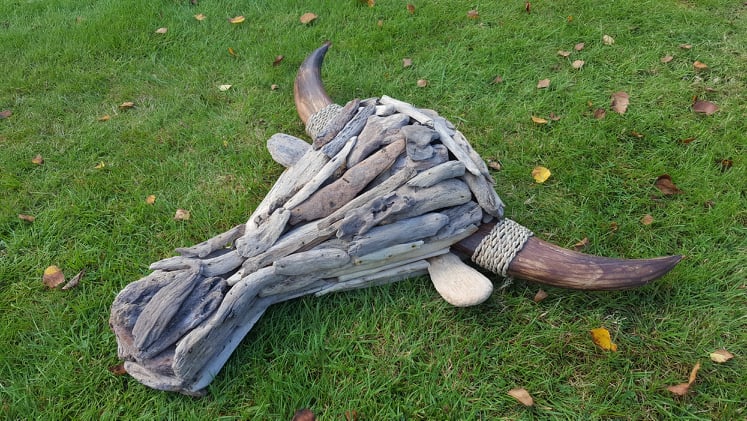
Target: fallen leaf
[[666, 59], [162, 30], [100, 165], [304, 415], [704, 107], [554, 117], [422, 83], [498, 79], [686, 46], [608, 40], [636, 135], [411, 8], [563, 53], [181, 215], [126, 105], [105, 117], [53, 277], [274, 87], [540, 296], [601, 338], [725, 163], [236, 19], [351, 415], [38, 160], [528, 7], [577, 64], [232, 52], [579, 46], [682, 388], [151, 199], [581, 244], [380, 23], [5, 114], [647, 219], [200, 17], [224, 88], [544, 83], [614, 226], [27, 218], [620, 101], [522, 396], [688, 140], [406, 62], [370, 3], [538, 120], [709, 204], [665, 185], [495, 165], [72, 283], [118, 370], [278, 60], [721, 356], [473, 14], [541, 174], [699, 65], [599, 113]]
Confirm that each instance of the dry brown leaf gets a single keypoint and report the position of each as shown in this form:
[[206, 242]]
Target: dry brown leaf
[[370, 3], [304, 415], [38, 159], [682, 388], [666, 59], [620, 101], [162, 30], [704, 107], [27, 218], [608, 40], [665, 185], [540, 174], [614, 226], [563, 53], [580, 46], [686, 46], [411, 8], [647, 219], [721, 356], [151, 199], [278, 60], [577, 64], [422, 83], [569, 19], [307, 18], [544, 83], [538, 120], [105, 117], [380, 23], [636, 135], [554, 117], [224, 88], [274, 87], [406, 62], [118, 370], [540, 296], [5, 114], [72, 283], [351, 415], [521, 395], [688, 140], [53, 277], [494, 165], [473, 14], [200, 17], [498, 79], [236, 19], [181, 215], [528, 7], [126, 105], [602, 339], [699, 65], [581, 244], [599, 113]]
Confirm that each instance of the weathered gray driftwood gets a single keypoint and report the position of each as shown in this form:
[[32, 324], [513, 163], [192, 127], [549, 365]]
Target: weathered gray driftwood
[[376, 199]]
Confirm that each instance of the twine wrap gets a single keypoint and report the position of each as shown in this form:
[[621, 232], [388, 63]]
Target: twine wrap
[[499, 248], [319, 120]]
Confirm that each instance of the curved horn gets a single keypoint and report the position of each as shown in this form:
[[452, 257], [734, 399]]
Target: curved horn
[[308, 90]]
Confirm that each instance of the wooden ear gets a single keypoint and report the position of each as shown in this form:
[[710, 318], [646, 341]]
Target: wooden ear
[[459, 284]]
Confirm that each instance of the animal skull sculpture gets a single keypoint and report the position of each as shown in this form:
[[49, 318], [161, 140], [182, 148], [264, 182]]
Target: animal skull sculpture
[[385, 192]]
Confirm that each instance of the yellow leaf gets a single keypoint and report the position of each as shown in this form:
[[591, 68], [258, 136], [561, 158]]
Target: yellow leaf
[[181, 215], [521, 395], [125, 105], [53, 276], [151, 199], [27, 218], [224, 88], [237, 19], [540, 174], [100, 165], [608, 40], [721, 356], [601, 338], [577, 64], [231, 51], [200, 17], [105, 117], [539, 120], [544, 83], [162, 30], [38, 160], [422, 83], [699, 65], [307, 18]]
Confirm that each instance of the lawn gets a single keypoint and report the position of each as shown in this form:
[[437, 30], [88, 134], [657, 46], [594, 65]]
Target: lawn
[[398, 351]]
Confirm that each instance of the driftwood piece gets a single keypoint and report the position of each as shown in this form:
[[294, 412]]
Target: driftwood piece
[[485, 195], [460, 217], [353, 128], [382, 277], [287, 150], [448, 193], [375, 134], [263, 237], [419, 140], [334, 126], [218, 242], [407, 229], [333, 196], [359, 220], [437, 174], [311, 261]]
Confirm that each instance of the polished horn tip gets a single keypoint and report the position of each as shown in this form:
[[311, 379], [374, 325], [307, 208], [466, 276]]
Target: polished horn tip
[[549, 264], [308, 89]]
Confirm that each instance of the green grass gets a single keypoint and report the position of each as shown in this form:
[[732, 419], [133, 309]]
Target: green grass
[[396, 352]]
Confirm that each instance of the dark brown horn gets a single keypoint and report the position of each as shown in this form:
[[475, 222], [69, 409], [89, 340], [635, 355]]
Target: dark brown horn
[[308, 90]]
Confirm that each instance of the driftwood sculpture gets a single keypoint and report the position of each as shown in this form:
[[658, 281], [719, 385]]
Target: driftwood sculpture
[[385, 192]]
